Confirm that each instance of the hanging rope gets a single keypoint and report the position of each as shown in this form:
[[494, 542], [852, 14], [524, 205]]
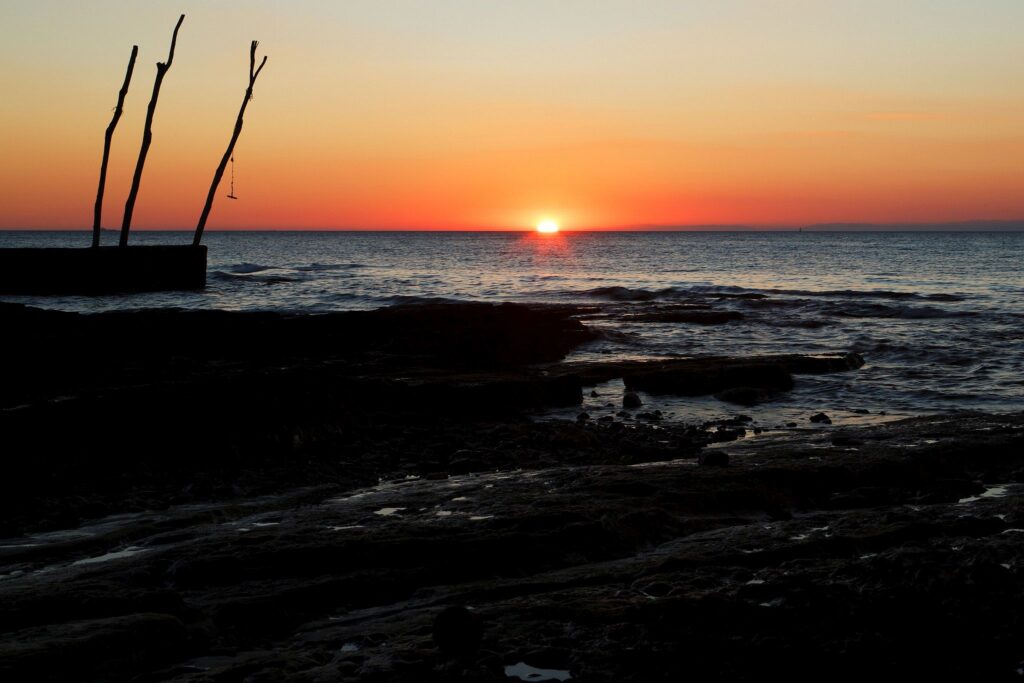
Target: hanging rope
[[231, 194]]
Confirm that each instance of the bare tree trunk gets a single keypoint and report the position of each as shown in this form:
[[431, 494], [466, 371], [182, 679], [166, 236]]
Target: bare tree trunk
[[98, 211], [253, 73], [147, 137]]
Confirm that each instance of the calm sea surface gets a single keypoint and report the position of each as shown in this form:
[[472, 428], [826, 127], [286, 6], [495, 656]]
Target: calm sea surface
[[938, 316]]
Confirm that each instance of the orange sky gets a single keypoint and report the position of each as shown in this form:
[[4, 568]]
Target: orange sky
[[458, 114]]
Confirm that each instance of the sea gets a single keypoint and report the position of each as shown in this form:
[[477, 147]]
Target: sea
[[938, 316]]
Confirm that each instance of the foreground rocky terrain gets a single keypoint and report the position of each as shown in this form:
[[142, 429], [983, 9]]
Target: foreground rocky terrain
[[384, 509]]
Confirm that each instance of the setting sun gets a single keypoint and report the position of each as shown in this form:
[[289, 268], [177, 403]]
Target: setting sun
[[547, 226]]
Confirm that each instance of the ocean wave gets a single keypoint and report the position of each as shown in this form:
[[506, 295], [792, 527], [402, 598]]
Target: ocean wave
[[408, 300], [871, 310], [867, 294], [616, 293], [246, 268], [320, 267], [802, 323], [621, 293], [265, 276]]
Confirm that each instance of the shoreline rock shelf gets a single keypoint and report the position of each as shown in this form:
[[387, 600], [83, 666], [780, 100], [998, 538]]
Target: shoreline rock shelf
[[899, 545], [363, 497]]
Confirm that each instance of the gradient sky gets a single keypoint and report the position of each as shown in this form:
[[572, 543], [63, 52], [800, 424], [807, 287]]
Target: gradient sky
[[487, 114]]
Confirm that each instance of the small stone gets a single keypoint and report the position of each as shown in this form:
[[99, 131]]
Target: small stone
[[861, 411], [713, 458], [594, 394], [723, 434], [583, 417], [631, 400], [821, 418]]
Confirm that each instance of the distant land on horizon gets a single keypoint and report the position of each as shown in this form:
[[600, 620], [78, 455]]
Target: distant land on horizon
[[952, 226]]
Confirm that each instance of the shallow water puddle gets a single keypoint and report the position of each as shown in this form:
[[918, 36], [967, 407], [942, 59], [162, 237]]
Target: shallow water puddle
[[388, 512], [115, 555], [997, 491], [525, 672]]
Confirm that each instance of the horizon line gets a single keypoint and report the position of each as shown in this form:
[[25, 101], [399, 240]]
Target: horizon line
[[993, 225]]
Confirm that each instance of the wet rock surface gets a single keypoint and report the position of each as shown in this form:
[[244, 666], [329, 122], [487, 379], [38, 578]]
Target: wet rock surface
[[798, 555], [319, 515]]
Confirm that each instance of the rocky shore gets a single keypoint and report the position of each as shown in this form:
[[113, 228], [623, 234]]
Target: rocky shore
[[214, 496]]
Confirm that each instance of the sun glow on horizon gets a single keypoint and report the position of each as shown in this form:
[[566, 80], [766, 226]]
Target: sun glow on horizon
[[547, 226]]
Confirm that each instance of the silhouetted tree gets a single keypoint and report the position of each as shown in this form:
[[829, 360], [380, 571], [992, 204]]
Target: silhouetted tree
[[254, 71], [98, 211], [147, 137]]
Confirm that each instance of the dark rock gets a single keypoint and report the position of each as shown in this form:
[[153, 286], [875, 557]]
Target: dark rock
[[743, 396], [713, 458], [594, 394], [703, 376], [696, 317], [821, 418], [700, 377], [457, 631], [95, 649], [724, 434], [464, 462], [861, 411], [821, 364], [631, 400], [582, 417]]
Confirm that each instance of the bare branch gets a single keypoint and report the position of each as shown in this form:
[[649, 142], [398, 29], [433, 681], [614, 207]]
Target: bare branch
[[219, 172], [174, 41], [253, 79], [147, 138], [107, 139]]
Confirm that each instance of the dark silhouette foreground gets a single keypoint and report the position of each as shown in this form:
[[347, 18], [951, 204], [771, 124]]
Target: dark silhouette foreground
[[303, 498]]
